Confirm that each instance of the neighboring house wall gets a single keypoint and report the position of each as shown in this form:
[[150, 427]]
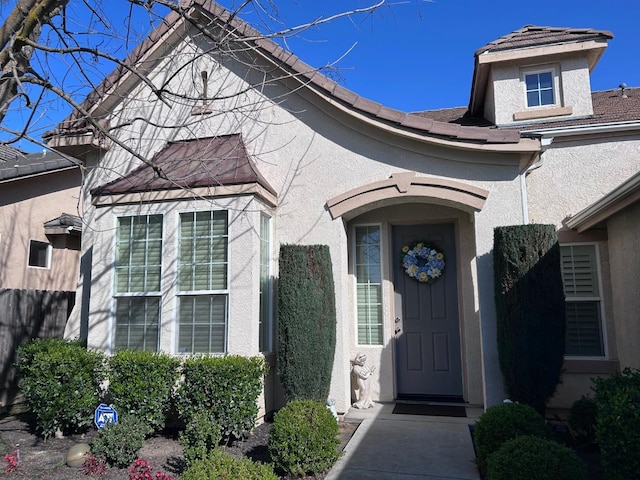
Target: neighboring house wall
[[25, 204]]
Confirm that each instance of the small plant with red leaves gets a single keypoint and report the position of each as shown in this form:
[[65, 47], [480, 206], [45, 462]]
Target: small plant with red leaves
[[140, 470], [93, 466], [12, 461]]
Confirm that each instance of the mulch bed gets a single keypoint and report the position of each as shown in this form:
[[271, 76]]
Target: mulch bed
[[46, 459]]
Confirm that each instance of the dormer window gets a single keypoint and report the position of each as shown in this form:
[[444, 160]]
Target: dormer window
[[539, 89]]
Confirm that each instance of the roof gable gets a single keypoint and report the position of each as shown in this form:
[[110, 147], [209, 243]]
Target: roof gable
[[78, 126]]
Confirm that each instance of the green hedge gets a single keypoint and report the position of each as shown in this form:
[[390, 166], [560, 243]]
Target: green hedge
[[141, 383], [60, 380], [219, 465], [504, 422], [304, 438], [530, 311], [306, 321], [534, 458], [618, 424], [226, 388]]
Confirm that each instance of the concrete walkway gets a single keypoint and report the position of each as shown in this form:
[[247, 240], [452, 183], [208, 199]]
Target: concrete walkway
[[407, 447]]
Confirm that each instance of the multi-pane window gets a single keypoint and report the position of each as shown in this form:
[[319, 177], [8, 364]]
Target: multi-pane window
[[368, 270], [138, 270], [539, 88], [583, 300], [202, 282], [265, 284], [39, 254]]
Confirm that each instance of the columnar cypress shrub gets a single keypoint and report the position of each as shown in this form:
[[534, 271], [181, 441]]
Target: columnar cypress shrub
[[530, 311], [306, 321]]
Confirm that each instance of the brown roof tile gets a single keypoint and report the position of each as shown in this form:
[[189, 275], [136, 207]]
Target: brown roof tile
[[205, 162], [77, 124], [534, 36]]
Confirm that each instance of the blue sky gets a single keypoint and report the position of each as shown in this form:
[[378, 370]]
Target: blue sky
[[418, 55]]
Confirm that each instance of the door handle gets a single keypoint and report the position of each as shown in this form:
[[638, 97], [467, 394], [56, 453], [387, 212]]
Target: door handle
[[398, 329]]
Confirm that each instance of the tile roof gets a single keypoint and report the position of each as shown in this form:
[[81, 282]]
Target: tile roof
[[204, 162], [77, 124], [23, 165], [535, 36], [609, 106]]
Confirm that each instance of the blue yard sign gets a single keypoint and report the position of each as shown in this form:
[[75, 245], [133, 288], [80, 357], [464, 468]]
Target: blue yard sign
[[104, 414]]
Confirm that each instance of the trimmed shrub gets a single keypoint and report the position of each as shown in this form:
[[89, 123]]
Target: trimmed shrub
[[304, 438], [503, 422], [582, 418], [118, 444], [306, 321], [530, 311], [141, 383], [533, 458], [224, 388], [218, 464], [201, 435], [60, 380], [618, 423]]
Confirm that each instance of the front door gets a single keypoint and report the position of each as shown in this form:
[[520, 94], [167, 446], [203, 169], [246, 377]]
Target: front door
[[428, 361]]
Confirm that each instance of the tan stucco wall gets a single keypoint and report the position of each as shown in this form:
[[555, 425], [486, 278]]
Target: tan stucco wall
[[624, 234], [573, 175], [24, 207]]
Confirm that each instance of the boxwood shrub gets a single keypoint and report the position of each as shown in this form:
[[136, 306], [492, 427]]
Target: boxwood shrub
[[503, 422], [141, 383], [60, 380], [303, 438], [201, 435], [218, 464], [533, 458], [225, 388], [118, 444], [618, 424]]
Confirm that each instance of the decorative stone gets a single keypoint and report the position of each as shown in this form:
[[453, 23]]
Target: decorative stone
[[77, 454]]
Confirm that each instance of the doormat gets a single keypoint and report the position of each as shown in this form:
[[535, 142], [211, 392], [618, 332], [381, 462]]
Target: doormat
[[433, 410]]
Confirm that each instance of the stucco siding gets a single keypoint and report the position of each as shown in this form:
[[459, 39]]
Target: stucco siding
[[575, 174], [25, 205]]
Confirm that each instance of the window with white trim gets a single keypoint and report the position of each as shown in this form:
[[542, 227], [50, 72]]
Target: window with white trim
[[138, 270], [368, 270], [202, 282], [580, 276], [541, 87], [266, 303], [39, 254]]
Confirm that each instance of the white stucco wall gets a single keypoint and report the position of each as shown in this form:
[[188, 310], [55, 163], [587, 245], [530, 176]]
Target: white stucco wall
[[309, 155], [509, 94], [574, 174]]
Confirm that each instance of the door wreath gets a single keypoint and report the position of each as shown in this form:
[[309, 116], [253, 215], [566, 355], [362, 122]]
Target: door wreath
[[422, 261]]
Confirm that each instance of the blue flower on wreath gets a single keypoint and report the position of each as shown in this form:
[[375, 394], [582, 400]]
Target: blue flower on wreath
[[423, 262]]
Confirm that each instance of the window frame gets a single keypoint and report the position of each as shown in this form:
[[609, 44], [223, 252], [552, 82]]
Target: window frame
[[354, 266], [180, 294], [49, 249], [599, 299], [147, 294], [555, 82], [265, 325]]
